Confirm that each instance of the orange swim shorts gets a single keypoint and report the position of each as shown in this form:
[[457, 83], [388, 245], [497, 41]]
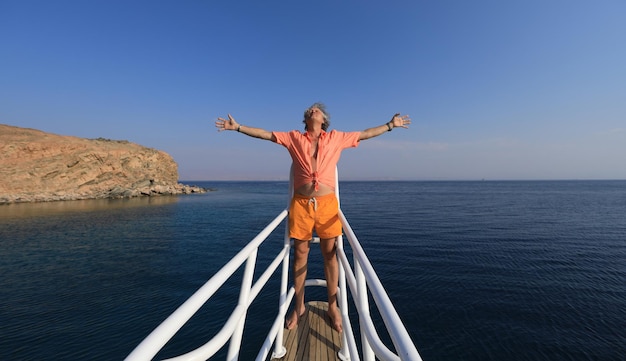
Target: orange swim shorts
[[314, 213]]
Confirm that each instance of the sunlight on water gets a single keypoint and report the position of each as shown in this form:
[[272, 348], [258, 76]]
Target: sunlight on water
[[27, 210]]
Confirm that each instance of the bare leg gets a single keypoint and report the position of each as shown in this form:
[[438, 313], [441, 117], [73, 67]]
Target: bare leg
[[300, 260], [331, 270]]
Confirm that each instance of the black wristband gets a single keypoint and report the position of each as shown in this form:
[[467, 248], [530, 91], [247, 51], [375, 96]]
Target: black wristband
[[239, 128], [389, 127]]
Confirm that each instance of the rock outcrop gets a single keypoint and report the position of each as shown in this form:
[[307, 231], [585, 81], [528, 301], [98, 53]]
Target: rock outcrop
[[36, 166]]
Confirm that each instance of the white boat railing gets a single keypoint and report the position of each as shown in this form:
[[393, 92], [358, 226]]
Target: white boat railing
[[360, 280]]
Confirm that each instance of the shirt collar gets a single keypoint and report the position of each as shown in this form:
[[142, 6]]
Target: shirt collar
[[322, 134]]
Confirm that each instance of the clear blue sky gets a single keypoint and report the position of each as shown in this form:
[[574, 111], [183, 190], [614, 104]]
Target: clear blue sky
[[532, 89]]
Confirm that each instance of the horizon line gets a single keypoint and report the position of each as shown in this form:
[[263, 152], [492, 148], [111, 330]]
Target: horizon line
[[419, 180]]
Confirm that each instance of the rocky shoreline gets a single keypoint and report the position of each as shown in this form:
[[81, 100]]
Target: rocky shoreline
[[42, 167], [114, 193]]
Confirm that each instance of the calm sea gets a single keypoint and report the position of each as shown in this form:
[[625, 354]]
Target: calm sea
[[477, 270]]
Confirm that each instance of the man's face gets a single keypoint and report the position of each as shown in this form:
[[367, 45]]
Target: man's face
[[315, 115]]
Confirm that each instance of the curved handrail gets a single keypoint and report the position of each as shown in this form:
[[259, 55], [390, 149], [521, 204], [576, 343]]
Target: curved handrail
[[233, 327], [364, 317], [157, 339], [399, 335]]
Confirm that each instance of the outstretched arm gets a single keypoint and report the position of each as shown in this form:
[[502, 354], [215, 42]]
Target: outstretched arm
[[231, 124], [395, 122]]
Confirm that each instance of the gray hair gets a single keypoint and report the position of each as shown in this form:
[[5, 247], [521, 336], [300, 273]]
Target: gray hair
[[321, 107]]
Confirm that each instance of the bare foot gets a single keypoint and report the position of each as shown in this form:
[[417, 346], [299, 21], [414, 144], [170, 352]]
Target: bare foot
[[293, 319], [335, 319]]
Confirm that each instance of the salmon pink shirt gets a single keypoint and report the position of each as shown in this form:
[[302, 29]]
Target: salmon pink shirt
[[329, 147]]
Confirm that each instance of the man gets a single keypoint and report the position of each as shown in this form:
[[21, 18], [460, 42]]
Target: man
[[314, 206]]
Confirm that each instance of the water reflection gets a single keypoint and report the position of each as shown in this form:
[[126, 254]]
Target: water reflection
[[24, 210]]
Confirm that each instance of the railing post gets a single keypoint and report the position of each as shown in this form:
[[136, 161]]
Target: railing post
[[344, 353], [363, 301], [244, 295], [279, 347]]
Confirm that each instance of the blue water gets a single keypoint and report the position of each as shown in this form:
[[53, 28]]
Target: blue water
[[477, 270]]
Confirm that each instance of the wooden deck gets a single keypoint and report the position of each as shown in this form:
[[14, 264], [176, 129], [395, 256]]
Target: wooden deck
[[314, 339]]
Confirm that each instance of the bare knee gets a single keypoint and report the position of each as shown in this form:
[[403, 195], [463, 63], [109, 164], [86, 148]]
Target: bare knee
[[301, 250], [329, 249]]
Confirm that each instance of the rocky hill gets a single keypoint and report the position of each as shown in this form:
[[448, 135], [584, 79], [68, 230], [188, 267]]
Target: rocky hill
[[37, 166]]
